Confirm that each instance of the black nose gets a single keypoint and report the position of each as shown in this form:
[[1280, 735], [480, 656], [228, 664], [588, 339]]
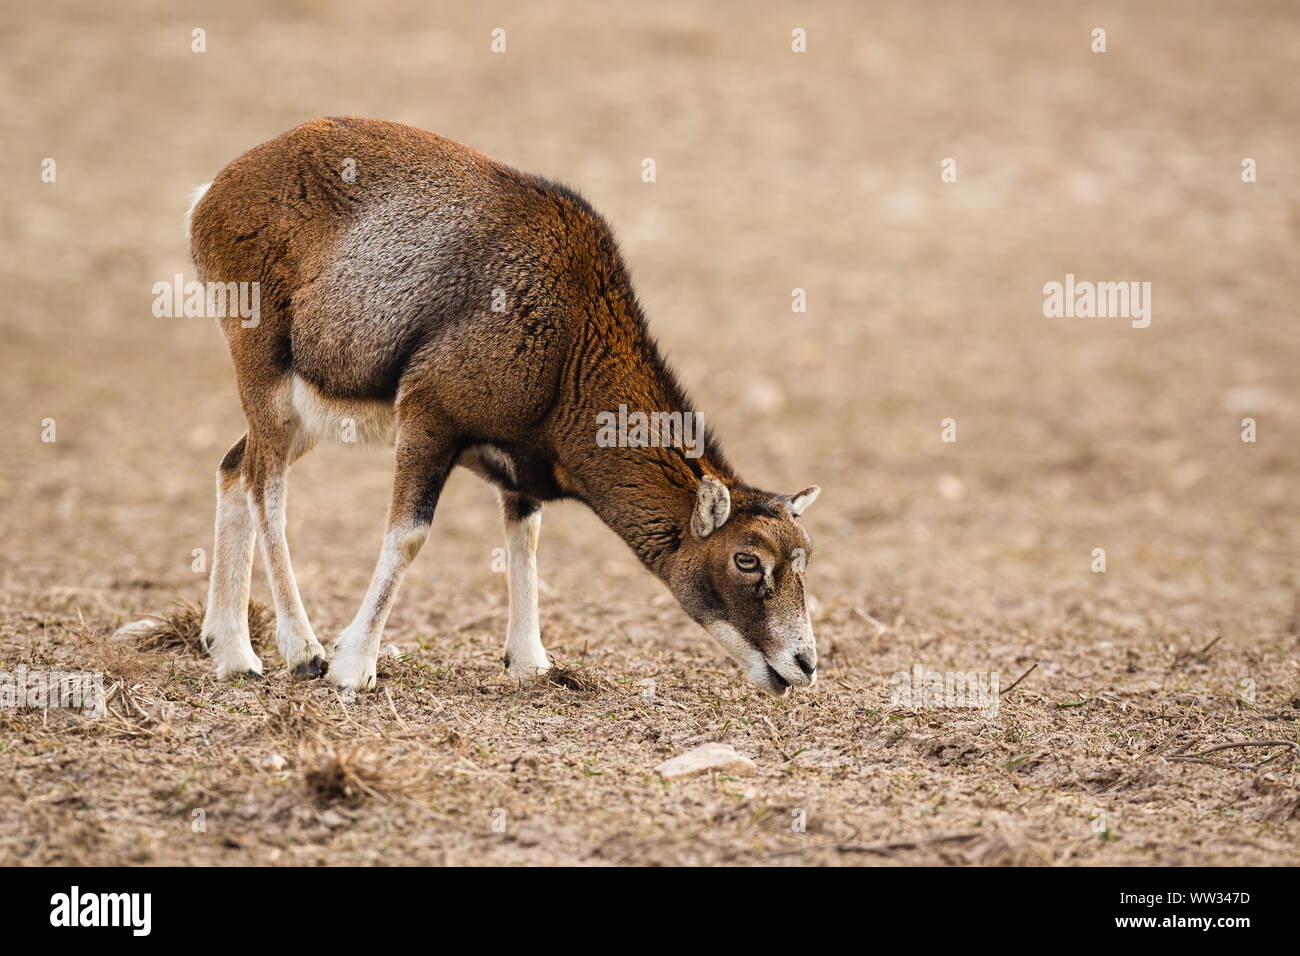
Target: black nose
[[805, 665]]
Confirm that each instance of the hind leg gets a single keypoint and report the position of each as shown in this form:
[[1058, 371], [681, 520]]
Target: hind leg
[[426, 451], [525, 656], [225, 622], [266, 464]]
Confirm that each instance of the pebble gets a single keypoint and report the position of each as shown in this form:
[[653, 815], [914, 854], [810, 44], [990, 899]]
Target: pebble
[[705, 758]]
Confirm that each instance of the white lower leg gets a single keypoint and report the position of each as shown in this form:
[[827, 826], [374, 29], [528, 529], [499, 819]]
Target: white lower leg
[[225, 622], [525, 656], [357, 650], [293, 633]]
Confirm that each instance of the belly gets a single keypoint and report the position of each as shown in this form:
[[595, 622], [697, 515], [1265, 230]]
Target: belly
[[348, 421]]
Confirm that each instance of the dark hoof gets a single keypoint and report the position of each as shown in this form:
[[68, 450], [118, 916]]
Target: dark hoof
[[316, 667], [251, 675]]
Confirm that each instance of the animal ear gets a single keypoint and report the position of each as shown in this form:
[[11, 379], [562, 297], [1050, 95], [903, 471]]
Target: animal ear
[[800, 501], [712, 507]]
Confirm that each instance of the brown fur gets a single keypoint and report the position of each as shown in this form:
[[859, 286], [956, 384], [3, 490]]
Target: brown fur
[[381, 290]]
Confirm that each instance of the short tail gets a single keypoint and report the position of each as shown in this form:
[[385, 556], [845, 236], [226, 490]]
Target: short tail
[[194, 204]]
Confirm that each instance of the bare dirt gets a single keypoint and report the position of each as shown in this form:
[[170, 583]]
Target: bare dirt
[[775, 171]]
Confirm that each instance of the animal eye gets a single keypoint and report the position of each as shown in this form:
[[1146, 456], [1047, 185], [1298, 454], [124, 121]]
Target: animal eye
[[746, 561]]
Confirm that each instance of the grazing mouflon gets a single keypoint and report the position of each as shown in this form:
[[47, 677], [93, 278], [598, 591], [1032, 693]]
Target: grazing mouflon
[[422, 294]]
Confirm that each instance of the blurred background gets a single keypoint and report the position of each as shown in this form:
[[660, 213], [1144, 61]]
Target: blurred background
[[775, 171]]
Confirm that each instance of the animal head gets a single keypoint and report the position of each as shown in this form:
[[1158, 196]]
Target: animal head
[[740, 574]]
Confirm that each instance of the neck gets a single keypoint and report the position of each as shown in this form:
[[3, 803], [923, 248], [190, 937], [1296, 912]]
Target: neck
[[646, 499], [635, 453]]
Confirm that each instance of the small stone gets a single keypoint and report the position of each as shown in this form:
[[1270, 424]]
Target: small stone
[[391, 650], [706, 758], [275, 762]]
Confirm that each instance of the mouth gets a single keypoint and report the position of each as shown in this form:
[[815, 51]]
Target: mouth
[[776, 683], [757, 667]]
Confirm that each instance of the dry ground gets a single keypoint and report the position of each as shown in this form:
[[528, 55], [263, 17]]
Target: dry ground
[[775, 171]]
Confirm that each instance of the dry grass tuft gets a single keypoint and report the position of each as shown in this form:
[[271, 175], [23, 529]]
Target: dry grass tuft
[[119, 663], [575, 679], [180, 626], [298, 718], [349, 777]]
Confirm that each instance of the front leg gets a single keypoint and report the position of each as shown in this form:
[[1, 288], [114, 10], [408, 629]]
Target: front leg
[[425, 455], [357, 650], [525, 656]]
